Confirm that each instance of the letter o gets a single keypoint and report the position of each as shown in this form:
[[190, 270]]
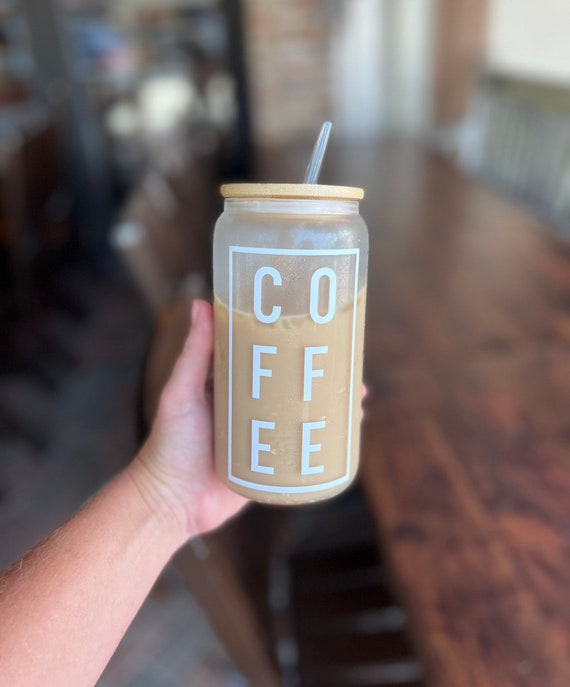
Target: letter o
[[314, 302]]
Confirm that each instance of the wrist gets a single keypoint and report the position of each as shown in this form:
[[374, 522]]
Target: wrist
[[159, 500]]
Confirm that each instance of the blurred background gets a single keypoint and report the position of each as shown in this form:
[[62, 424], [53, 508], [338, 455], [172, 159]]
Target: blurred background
[[118, 121]]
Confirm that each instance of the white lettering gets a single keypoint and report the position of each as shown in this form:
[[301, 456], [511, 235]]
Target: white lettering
[[257, 288], [256, 447], [308, 448], [258, 372], [310, 373], [315, 288]]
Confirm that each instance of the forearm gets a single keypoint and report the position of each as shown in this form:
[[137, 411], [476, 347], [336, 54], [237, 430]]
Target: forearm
[[66, 605]]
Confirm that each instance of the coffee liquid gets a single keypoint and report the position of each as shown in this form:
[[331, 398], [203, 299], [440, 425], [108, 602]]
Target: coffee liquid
[[288, 397]]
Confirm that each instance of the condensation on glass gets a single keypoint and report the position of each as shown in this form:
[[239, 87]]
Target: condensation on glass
[[290, 268]]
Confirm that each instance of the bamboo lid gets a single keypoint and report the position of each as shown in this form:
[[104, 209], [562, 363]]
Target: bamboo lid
[[301, 191]]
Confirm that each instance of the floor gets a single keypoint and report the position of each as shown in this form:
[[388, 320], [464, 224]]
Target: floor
[[88, 425]]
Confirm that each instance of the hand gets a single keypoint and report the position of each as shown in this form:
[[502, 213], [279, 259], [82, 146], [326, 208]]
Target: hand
[[174, 470]]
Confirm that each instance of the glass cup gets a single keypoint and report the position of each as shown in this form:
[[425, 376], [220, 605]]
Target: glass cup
[[290, 270]]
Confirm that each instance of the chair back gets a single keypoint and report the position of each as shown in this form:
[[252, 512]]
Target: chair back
[[518, 137], [131, 240]]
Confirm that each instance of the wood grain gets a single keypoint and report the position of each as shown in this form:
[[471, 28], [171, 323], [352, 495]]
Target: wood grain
[[466, 442], [210, 575]]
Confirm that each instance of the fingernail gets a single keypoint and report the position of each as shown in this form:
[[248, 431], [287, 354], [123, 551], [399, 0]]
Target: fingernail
[[195, 311]]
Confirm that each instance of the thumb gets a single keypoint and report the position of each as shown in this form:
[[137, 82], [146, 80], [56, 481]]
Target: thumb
[[186, 385]]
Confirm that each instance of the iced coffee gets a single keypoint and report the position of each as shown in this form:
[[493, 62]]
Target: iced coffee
[[289, 328]]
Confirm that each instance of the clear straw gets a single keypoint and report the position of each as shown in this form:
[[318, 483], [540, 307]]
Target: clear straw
[[314, 167]]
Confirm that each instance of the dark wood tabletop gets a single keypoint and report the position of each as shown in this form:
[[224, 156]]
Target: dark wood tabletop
[[466, 442]]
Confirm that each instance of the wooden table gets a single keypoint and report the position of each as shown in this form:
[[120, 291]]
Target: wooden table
[[466, 444]]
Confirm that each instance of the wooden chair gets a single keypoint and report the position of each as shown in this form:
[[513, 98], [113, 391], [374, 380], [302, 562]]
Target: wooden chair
[[47, 200], [522, 132], [132, 241], [170, 330], [338, 622], [35, 225], [37, 207], [165, 235]]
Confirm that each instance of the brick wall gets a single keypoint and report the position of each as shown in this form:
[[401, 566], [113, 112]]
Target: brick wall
[[287, 53]]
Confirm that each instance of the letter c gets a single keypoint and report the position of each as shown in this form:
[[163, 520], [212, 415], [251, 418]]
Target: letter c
[[257, 287]]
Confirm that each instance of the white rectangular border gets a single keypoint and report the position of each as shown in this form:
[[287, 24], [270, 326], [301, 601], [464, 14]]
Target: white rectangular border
[[308, 253]]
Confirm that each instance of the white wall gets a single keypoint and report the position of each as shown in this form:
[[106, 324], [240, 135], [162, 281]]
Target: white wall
[[356, 67], [409, 63], [530, 38], [381, 67]]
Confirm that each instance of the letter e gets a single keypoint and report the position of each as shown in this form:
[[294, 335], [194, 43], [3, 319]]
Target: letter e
[[308, 448], [256, 447]]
